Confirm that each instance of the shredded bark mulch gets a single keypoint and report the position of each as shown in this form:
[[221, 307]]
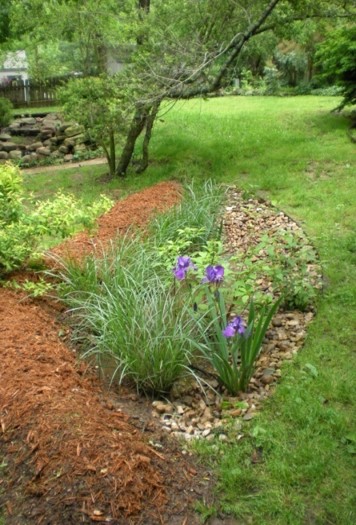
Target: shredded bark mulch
[[71, 455], [135, 210]]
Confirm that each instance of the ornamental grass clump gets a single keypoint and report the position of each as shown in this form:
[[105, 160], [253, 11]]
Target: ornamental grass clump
[[230, 344], [124, 313], [193, 222]]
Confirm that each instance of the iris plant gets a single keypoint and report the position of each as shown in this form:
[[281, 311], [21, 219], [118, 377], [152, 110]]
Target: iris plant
[[231, 346], [213, 274], [184, 263], [236, 326]]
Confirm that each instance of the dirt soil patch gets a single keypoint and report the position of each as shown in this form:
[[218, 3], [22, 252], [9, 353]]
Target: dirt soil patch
[[72, 451]]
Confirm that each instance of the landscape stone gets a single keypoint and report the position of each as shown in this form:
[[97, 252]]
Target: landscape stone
[[15, 154], [28, 121], [64, 126], [69, 142], [9, 146], [48, 133], [44, 135], [44, 151], [73, 130], [27, 159], [35, 145]]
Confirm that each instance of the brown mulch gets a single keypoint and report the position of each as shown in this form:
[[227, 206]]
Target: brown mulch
[[72, 455], [135, 210]]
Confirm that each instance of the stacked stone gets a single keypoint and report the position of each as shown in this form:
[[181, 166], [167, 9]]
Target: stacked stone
[[32, 139]]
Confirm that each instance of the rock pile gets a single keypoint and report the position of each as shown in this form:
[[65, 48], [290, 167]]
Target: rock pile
[[32, 139]]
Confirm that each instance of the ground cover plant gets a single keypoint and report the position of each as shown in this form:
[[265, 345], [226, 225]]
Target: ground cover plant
[[293, 464]]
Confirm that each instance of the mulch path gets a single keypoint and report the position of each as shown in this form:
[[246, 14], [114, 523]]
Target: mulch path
[[72, 453]]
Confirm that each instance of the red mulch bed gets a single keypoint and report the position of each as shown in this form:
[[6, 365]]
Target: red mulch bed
[[73, 456]]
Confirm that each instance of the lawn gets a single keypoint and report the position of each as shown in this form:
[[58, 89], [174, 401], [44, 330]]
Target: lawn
[[296, 153], [32, 111]]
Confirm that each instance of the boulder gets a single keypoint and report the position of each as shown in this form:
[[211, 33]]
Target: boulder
[[28, 121], [68, 158], [48, 126], [80, 148], [35, 146], [45, 135], [55, 154], [9, 146], [43, 151], [5, 137], [76, 139], [71, 131], [70, 143], [4, 155], [15, 154], [27, 159], [63, 149], [64, 126], [52, 116]]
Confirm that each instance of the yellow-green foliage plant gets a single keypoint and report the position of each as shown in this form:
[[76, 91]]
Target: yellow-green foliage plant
[[22, 230]]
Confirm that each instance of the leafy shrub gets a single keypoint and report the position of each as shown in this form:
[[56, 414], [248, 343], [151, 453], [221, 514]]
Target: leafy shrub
[[337, 56], [272, 80], [11, 193], [289, 257], [49, 214], [5, 112], [21, 230], [329, 91]]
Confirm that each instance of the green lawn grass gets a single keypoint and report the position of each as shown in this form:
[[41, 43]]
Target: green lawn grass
[[296, 153], [32, 111]]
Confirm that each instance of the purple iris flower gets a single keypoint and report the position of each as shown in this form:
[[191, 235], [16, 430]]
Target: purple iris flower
[[214, 274], [184, 263], [236, 326]]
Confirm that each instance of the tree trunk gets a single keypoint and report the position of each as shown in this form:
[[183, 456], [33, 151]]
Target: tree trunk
[[136, 128], [150, 120]]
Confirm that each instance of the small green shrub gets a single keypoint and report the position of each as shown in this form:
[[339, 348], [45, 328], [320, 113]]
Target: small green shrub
[[289, 256], [11, 193], [21, 230], [5, 112], [33, 289]]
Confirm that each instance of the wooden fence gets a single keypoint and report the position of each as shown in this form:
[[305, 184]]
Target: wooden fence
[[26, 93]]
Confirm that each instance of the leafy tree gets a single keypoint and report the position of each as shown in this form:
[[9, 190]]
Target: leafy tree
[[337, 59], [181, 48], [103, 105]]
